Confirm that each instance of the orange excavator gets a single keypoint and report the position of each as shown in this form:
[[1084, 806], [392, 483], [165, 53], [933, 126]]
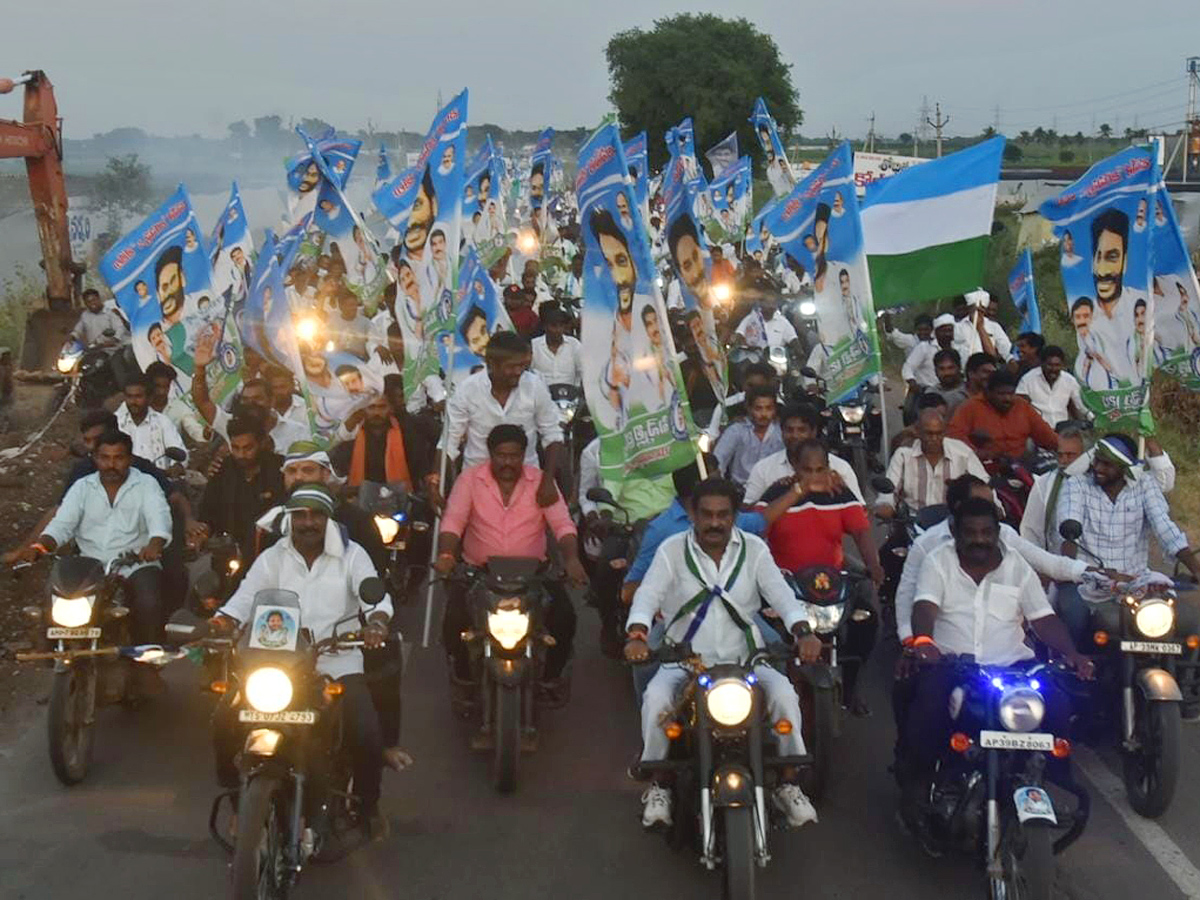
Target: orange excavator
[[38, 139]]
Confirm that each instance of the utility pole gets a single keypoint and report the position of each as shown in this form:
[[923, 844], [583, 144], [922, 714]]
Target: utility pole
[[996, 119], [1191, 125], [834, 137], [938, 125], [871, 134]]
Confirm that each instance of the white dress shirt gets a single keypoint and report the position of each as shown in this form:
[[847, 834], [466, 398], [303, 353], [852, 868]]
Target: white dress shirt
[[920, 484], [986, 619], [91, 327], [918, 364], [669, 585], [152, 437], [775, 467], [283, 433], [778, 330], [328, 591], [967, 340], [1051, 400], [903, 340], [104, 530], [674, 294], [564, 366], [1053, 566], [589, 475], [472, 412]]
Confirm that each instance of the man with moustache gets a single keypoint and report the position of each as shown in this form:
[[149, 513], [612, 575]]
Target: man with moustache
[[683, 242], [625, 346], [1112, 315], [421, 218]]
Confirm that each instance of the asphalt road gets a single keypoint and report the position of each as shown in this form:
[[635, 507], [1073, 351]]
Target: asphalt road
[[137, 827]]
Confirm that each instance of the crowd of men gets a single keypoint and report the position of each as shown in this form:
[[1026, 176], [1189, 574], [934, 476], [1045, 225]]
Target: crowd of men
[[770, 499]]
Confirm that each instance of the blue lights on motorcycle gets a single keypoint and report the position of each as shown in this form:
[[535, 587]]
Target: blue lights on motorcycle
[[751, 678], [400, 516], [704, 681], [997, 683], [1035, 684]]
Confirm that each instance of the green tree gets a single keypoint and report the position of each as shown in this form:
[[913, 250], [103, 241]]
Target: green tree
[[1066, 156], [1106, 131], [123, 189], [269, 130], [702, 66], [1012, 152]]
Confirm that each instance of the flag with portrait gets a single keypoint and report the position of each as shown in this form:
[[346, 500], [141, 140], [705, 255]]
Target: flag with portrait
[[1024, 297], [636, 158], [632, 381], [1104, 223], [483, 213], [1176, 297], [231, 251], [728, 206], [480, 313], [779, 170], [329, 153]]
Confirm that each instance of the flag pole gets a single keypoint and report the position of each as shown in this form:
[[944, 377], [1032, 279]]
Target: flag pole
[[445, 464]]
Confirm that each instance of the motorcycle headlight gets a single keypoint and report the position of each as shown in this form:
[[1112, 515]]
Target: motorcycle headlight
[[825, 619], [852, 414], [66, 363], [1154, 617], [729, 702], [388, 528], [72, 612], [269, 689], [808, 308], [566, 411], [508, 627], [1022, 709]]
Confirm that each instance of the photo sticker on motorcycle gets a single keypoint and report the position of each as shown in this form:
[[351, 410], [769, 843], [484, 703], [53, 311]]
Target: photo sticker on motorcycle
[[1033, 803], [275, 628]]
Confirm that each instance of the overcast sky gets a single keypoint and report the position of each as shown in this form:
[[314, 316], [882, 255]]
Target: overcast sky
[[175, 67]]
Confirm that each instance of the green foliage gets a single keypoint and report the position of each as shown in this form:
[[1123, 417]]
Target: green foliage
[[703, 66], [1012, 153], [122, 189], [20, 295]]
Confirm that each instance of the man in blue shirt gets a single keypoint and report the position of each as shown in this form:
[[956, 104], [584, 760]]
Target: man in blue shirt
[[745, 443]]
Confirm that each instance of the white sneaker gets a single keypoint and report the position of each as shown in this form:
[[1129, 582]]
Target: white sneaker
[[798, 809], [656, 806]]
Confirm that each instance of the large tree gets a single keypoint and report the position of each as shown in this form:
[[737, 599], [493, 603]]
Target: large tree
[[702, 66]]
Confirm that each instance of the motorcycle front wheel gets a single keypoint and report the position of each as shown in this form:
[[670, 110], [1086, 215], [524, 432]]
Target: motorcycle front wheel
[[71, 718], [259, 868], [739, 853], [1027, 858], [1152, 770], [507, 728]]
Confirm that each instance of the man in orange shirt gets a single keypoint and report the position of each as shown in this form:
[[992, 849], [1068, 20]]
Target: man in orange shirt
[[999, 422], [722, 269]]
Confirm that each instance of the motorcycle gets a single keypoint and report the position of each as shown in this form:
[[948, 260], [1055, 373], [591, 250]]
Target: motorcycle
[[1012, 479], [720, 765], [989, 795], [213, 587], [88, 372], [569, 400], [905, 527], [618, 549], [404, 522], [828, 597], [87, 630], [506, 599], [295, 801], [1135, 700], [853, 426]]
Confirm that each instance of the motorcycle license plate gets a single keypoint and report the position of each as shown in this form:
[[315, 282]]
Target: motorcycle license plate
[[1156, 647], [853, 429], [85, 633], [1013, 740], [287, 717]]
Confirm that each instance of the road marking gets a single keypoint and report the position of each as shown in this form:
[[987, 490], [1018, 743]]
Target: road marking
[[1152, 835]]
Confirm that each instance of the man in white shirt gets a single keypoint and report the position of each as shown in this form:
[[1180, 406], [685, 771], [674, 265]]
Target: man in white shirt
[[114, 511], [326, 571], [556, 354], [708, 583], [504, 393], [151, 431], [350, 328], [96, 319], [766, 326], [979, 332], [589, 477], [974, 598], [797, 425], [919, 370], [1053, 392], [921, 471]]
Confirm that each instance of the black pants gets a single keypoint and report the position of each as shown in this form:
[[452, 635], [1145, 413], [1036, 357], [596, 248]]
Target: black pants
[[860, 637], [143, 593], [384, 669], [559, 616], [360, 732]]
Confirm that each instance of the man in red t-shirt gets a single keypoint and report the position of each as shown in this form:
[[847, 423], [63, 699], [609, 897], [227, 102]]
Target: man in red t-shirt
[[810, 518]]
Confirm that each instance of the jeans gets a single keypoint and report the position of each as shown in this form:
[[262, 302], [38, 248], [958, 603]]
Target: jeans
[[558, 617], [360, 731], [143, 594]]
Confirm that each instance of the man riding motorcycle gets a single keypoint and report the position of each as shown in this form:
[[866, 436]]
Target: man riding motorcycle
[[707, 584]]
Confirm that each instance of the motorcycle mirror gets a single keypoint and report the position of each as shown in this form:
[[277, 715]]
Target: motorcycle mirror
[[883, 485], [601, 495], [809, 372], [1071, 530], [372, 591], [175, 454]]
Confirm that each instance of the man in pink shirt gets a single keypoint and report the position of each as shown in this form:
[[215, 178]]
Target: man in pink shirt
[[493, 511]]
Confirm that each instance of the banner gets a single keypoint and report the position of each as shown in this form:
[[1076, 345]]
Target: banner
[[631, 379], [337, 155], [1176, 297], [818, 226], [1020, 287], [723, 155], [383, 168], [729, 198], [161, 278], [639, 171], [541, 169], [759, 240], [483, 214], [481, 314], [687, 246], [231, 251], [681, 142], [872, 167], [424, 203], [1104, 227], [779, 170]]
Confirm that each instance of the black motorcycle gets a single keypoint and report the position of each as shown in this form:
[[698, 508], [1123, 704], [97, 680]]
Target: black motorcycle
[[722, 761], [507, 600], [618, 548], [571, 415], [88, 372], [1136, 698], [404, 521], [989, 795], [87, 637], [906, 525], [853, 427], [831, 602], [295, 802], [217, 583]]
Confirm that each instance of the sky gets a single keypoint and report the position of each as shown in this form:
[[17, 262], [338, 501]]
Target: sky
[[175, 69]]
